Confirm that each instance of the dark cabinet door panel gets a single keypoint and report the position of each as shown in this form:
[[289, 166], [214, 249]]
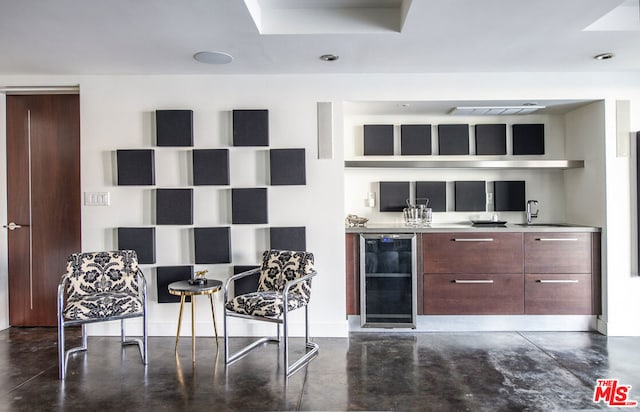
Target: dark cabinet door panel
[[473, 294], [557, 252], [467, 252], [562, 294]]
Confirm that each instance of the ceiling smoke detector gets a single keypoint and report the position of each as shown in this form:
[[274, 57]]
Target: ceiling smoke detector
[[495, 110]]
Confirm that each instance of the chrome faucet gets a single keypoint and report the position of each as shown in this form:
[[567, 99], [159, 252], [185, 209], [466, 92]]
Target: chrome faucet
[[531, 215]]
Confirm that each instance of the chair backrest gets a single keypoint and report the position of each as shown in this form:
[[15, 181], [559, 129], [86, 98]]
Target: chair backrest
[[95, 272], [280, 266]]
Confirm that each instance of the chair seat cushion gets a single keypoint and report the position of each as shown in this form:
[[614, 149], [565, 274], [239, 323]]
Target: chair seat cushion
[[267, 304], [102, 305]]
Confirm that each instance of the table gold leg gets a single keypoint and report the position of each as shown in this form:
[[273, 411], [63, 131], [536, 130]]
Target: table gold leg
[[193, 329], [179, 321], [213, 313]]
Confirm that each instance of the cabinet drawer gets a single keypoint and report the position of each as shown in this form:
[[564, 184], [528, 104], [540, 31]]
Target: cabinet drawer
[[557, 253], [473, 294], [566, 294], [464, 252]]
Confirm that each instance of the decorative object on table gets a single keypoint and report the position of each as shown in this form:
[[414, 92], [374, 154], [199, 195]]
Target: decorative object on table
[[101, 287], [199, 278], [417, 214], [356, 221], [284, 285]]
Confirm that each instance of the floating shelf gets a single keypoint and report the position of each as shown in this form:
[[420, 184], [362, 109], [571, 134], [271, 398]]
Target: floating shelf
[[466, 164]]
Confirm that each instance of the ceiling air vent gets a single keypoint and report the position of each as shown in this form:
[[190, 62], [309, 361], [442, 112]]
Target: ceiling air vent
[[493, 110]]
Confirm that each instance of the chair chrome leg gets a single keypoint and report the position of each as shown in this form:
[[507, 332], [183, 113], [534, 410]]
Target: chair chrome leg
[[285, 329]]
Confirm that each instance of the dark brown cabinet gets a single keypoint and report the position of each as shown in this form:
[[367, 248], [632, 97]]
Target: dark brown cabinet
[[561, 273], [352, 243], [472, 273]]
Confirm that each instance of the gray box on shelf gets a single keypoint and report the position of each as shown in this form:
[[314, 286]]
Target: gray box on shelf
[[212, 245], [378, 139], [174, 128], [210, 167], [288, 238], [509, 195], [415, 139], [287, 167], [528, 139], [453, 139], [491, 139], [174, 206], [249, 206], [393, 196], [136, 167], [140, 239], [169, 274], [251, 127], [471, 196], [436, 192]]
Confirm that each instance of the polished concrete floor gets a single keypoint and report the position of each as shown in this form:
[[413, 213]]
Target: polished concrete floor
[[501, 371]]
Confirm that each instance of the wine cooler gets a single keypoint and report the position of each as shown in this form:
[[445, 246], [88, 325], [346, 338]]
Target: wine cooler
[[388, 280]]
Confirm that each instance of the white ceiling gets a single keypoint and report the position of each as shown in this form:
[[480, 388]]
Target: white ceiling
[[161, 36]]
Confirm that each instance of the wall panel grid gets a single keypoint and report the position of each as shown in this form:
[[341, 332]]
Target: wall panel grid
[[208, 169]]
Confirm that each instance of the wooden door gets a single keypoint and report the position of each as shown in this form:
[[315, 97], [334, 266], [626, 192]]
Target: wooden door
[[43, 206]]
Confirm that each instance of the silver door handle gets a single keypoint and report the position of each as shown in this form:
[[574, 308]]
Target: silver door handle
[[557, 280], [12, 226], [557, 239], [480, 239], [472, 281]]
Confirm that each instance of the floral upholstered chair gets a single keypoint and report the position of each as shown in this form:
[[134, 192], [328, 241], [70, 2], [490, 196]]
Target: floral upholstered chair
[[284, 285], [99, 287]]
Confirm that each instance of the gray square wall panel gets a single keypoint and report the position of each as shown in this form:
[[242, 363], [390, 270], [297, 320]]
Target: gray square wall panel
[[453, 139], [249, 206], [509, 196], [415, 139], [136, 167], [491, 139], [174, 206], [436, 192], [378, 139], [251, 128], [210, 167], [288, 238], [393, 196], [471, 196], [174, 127], [140, 239], [287, 167], [247, 284], [212, 244], [528, 139], [167, 275]]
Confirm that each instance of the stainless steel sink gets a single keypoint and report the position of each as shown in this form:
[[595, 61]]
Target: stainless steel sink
[[543, 224]]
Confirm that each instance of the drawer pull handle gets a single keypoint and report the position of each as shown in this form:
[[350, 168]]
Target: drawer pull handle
[[557, 239], [473, 281], [557, 280], [480, 239]]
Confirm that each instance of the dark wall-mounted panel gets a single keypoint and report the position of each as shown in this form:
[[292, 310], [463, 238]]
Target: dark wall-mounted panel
[[212, 244], [393, 196], [415, 139], [436, 192], [491, 139], [288, 238], [140, 239], [471, 196], [509, 196], [453, 139], [251, 128], [174, 206], [528, 139], [136, 167], [174, 127], [378, 139], [249, 206], [210, 167], [247, 284], [170, 274], [287, 167]]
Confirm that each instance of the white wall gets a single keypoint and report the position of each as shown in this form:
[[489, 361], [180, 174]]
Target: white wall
[[116, 113]]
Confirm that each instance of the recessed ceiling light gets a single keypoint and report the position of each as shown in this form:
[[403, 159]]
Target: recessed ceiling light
[[213, 57], [604, 56], [329, 57]]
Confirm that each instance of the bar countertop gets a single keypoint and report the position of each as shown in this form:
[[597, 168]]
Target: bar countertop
[[381, 227]]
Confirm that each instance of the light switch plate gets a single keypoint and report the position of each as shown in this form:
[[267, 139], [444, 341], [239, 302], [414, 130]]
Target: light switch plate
[[97, 198]]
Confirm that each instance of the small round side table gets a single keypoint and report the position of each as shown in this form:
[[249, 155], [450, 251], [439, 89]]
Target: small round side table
[[183, 289]]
